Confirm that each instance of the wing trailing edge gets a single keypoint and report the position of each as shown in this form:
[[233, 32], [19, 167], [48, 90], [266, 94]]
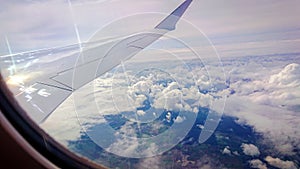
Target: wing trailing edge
[[43, 97]]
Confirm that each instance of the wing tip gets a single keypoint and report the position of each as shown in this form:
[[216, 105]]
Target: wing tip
[[169, 23]]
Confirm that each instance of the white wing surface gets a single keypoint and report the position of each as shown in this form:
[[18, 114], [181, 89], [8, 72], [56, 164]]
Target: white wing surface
[[44, 96]]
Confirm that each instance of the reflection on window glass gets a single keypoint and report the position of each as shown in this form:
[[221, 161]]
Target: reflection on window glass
[[181, 84]]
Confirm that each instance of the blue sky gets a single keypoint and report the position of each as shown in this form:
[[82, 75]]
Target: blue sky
[[235, 27]]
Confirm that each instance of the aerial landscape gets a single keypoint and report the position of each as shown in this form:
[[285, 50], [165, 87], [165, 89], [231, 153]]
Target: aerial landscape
[[219, 90], [252, 132]]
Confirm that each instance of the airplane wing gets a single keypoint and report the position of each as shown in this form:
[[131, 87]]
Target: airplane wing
[[43, 97]]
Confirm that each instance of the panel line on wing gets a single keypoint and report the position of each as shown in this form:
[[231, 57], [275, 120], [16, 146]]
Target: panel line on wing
[[69, 87], [128, 44], [50, 92], [55, 86]]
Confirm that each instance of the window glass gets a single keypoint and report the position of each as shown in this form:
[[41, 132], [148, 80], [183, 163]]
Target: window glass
[[177, 84]]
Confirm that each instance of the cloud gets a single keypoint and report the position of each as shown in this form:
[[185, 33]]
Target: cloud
[[250, 149], [52, 25], [283, 137], [141, 113], [171, 91], [249, 83], [143, 92], [257, 164], [265, 97], [155, 162], [63, 124], [278, 90], [261, 92], [288, 77], [226, 151], [255, 17], [126, 143], [276, 162], [55, 21], [179, 119]]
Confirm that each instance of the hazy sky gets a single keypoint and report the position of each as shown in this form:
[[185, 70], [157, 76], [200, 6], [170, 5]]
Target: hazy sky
[[235, 27]]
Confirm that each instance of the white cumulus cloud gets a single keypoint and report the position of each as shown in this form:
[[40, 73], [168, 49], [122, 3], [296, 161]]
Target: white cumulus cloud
[[226, 150], [266, 95], [276, 162], [179, 119], [289, 76], [257, 164], [250, 149]]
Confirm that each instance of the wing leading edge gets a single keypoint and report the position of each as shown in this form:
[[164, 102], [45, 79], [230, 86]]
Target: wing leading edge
[[43, 97]]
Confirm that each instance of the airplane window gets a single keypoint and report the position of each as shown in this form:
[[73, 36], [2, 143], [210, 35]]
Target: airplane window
[[154, 84]]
